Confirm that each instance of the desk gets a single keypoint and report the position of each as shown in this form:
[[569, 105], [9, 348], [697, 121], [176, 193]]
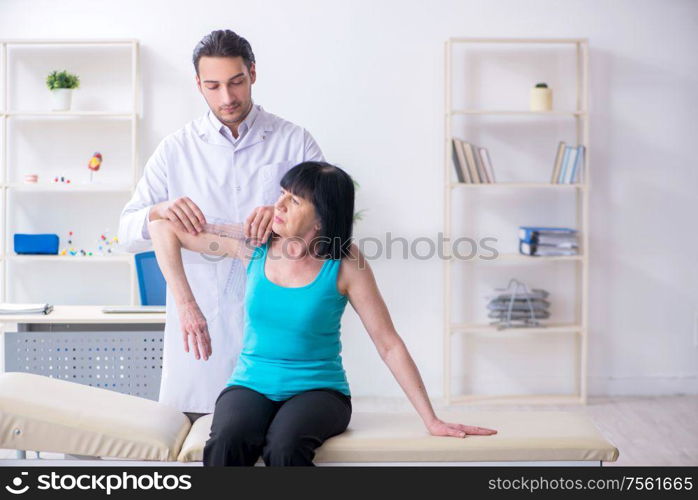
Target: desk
[[116, 351], [83, 315]]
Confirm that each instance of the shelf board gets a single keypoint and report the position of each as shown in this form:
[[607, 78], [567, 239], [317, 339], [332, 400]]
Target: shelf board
[[519, 399], [492, 330], [515, 112], [52, 114], [517, 257], [527, 185], [461, 39], [64, 188], [69, 41], [121, 258]]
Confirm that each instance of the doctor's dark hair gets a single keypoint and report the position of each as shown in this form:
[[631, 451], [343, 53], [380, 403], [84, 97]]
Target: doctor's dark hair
[[331, 190], [223, 43]]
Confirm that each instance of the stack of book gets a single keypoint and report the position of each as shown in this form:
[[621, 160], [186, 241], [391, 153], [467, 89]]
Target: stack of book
[[569, 161], [512, 307], [472, 163], [547, 241], [8, 308]]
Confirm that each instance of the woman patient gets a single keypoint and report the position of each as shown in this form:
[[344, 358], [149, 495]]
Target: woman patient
[[288, 392]]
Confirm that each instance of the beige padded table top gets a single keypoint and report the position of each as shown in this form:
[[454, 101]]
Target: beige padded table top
[[47, 414], [401, 437]]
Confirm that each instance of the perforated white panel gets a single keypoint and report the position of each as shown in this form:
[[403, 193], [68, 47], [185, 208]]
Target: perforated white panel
[[127, 362]]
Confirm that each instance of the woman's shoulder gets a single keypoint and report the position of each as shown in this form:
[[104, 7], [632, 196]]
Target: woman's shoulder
[[353, 266], [353, 256]]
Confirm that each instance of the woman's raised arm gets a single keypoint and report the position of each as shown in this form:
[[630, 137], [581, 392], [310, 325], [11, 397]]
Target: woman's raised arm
[[358, 280]]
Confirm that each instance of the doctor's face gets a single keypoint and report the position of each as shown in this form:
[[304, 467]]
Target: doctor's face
[[294, 216], [226, 85]]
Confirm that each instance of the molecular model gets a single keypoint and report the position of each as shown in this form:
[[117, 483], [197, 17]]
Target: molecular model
[[103, 246], [70, 250], [105, 243]]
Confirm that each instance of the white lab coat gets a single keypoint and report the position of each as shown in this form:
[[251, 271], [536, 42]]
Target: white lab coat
[[227, 182]]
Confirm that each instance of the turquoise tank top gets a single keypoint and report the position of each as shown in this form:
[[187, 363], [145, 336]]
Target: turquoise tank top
[[291, 335]]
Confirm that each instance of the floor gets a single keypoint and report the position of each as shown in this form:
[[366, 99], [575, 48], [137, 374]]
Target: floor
[[646, 430]]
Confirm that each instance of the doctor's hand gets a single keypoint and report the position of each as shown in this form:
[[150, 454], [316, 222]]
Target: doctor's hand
[[194, 329], [258, 224], [440, 428], [185, 214]]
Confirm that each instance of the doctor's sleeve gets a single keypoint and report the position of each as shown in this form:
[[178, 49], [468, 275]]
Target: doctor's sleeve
[[311, 151], [151, 189]]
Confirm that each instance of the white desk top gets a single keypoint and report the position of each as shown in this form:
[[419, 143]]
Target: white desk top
[[83, 314]]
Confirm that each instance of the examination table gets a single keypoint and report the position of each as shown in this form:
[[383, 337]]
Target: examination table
[[95, 426]]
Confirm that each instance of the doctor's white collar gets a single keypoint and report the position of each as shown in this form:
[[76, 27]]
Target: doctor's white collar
[[243, 128], [256, 123]]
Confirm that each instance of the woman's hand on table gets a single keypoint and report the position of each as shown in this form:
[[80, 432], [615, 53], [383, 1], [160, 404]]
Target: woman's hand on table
[[194, 329], [440, 428]]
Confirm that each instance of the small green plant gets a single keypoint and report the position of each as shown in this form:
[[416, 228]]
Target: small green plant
[[541, 85], [62, 80], [360, 214]]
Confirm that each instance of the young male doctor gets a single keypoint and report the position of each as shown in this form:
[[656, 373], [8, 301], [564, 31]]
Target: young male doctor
[[226, 164]]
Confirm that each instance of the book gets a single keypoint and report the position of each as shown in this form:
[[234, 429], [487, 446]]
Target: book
[[534, 249], [526, 232], [571, 160], [462, 161], [550, 239], [466, 167], [547, 240], [456, 160], [558, 162], [10, 308], [480, 166], [577, 167], [565, 165], [472, 165], [485, 157]]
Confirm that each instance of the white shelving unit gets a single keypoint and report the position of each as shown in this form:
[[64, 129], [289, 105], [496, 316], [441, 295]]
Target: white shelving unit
[[579, 327], [8, 113]]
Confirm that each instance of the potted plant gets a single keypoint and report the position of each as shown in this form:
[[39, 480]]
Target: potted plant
[[359, 215], [541, 98], [61, 85]]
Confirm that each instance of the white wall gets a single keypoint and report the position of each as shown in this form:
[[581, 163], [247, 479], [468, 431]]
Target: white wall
[[366, 78]]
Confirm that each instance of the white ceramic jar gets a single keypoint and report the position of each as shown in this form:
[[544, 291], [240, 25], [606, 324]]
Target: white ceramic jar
[[541, 99]]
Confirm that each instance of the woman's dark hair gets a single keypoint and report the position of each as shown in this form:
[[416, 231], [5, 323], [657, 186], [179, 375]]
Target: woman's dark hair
[[331, 190], [223, 43]]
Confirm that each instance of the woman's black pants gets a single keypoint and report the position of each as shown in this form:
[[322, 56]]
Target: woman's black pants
[[247, 424]]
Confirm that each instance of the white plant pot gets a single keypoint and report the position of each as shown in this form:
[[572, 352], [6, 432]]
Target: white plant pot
[[60, 99], [541, 99]]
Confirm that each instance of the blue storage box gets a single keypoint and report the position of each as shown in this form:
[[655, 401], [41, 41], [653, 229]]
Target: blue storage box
[[36, 243]]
